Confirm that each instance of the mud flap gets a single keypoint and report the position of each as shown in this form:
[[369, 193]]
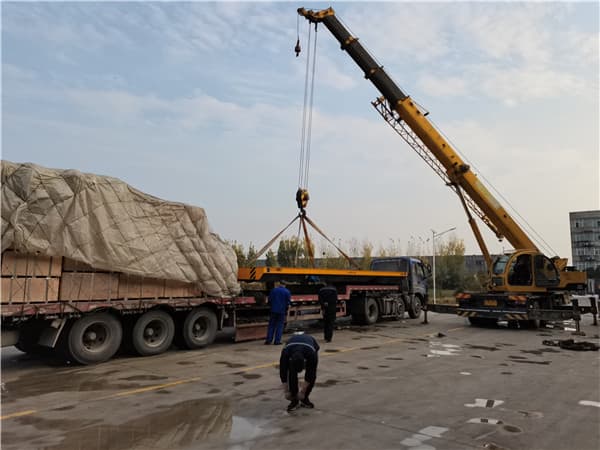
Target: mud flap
[[50, 334]]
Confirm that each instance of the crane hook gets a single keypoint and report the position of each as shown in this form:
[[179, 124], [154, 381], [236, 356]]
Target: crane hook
[[302, 198], [297, 48]]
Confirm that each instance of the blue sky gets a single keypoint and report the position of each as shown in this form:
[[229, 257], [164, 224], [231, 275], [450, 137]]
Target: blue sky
[[202, 103]]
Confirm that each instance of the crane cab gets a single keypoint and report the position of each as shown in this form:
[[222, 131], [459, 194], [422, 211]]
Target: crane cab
[[524, 271]]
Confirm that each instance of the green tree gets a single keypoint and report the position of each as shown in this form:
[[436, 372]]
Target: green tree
[[450, 264], [251, 255], [367, 255], [270, 258], [289, 251], [239, 253], [332, 259]]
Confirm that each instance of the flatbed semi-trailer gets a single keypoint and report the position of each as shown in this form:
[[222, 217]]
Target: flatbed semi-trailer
[[86, 315]]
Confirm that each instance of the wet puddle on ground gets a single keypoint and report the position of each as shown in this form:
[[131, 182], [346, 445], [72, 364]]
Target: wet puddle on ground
[[541, 350], [231, 365], [481, 347], [437, 349], [25, 387], [188, 424], [251, 376], [143, 378], [527, 361], [334, 382]]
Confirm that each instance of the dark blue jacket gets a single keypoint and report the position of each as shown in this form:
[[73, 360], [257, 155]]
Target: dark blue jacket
[[280, 299], [328, 298], [308, 346]]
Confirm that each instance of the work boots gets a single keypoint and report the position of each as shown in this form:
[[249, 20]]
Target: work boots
[[306, 403], [294, 404]]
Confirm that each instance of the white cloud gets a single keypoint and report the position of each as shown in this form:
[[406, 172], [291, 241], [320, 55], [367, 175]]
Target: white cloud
[[513, 86], [82, 26], [438, 86], [229, 141], [507, 31], [413, 30]]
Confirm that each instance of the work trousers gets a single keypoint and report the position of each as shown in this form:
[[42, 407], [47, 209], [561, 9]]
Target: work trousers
[[328, 323], [276, 322]]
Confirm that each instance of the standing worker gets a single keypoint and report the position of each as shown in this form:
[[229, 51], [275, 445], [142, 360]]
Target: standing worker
[[300, 353], [280, 300], [328, 298]]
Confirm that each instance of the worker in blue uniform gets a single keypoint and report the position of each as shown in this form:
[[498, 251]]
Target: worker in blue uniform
[[301, 352], [280, 300]]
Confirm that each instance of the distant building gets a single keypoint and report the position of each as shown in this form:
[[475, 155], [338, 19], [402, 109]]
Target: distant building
[[475, 264], [585, 239]]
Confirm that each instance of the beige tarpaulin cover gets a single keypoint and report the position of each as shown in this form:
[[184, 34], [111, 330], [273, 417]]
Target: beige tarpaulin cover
[[106, 223]]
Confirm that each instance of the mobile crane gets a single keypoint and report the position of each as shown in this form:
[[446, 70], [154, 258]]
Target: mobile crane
[[523, 287]]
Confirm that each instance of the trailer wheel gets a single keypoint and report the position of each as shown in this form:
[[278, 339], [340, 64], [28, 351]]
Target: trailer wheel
[[94, 338], [400, 309], [414, 310], [199, 328], [371, 311], [153, 333]]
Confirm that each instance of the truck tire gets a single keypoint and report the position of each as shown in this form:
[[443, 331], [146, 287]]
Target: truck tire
[[93, 338], [153, 333], [199, 328], [414, 309], [371, 311]]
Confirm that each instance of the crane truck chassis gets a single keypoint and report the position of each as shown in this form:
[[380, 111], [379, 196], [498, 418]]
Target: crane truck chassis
[[79, 314]]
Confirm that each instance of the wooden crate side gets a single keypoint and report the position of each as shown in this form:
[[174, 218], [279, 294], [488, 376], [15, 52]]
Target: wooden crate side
[[14, 263], [56, 266], [129, 286], [88, 286], [153, 288], [27, 264], [38, 266], [41, 290], [29, 289], [133, 286], [12, 290], [181, 289], [71, 265]]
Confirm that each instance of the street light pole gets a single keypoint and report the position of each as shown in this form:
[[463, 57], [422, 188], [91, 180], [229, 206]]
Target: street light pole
[[433, 236]]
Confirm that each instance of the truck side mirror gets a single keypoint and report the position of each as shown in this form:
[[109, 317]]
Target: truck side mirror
[[427, 270]]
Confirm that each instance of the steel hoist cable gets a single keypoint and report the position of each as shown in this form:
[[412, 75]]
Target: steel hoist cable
[[302, 196]]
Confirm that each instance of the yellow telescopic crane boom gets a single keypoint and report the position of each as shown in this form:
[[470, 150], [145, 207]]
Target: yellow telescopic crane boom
[[409, 120], [458, 173]]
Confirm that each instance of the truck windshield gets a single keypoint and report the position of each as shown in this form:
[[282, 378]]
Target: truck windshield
[[390, 265], [500, 264]]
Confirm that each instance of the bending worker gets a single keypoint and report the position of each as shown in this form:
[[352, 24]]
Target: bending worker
[[300, 353]]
